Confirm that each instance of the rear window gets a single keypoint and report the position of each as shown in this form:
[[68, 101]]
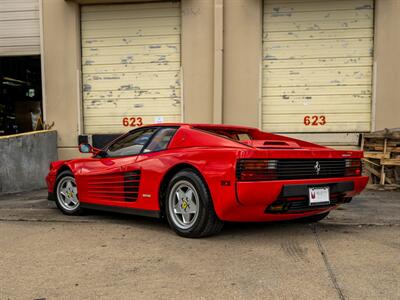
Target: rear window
[[236, 135], [243, 137]]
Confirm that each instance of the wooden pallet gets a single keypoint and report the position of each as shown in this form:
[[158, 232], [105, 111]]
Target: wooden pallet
[[382, 157]]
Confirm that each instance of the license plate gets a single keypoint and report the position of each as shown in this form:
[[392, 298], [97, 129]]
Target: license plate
[[318, 195]]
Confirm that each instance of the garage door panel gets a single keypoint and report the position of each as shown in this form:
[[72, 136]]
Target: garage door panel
[[338, 100], [129, 32], [300, 6], [321, 108], [130, 65], [134, 94], [20, 41], [334, 118], [329, 128], [18, 5], [19, 27], [19, 15], [108, 25], [318, 62], [130, 68], [315, 81], [317, 76], [131, 50], [318, 90], [133, 81], [272, 2], [317, 34], [316, 16], [323, 25], [318, 48], [129, 7], [137, 106], [130, 59], [135, 41], [19, 50], [130, 14]]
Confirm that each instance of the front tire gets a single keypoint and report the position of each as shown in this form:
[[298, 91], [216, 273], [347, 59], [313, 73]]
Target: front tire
[[67, 194], [189, 208]]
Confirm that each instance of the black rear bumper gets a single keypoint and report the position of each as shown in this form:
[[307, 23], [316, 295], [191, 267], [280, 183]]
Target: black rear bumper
[[296, 190], [294, 197]]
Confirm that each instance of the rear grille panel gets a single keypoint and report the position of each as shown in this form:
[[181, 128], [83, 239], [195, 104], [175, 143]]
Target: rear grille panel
[[304, 169], [287, 169]]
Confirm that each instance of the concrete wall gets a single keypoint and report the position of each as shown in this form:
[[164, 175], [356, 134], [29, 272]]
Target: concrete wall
[[387, 64], [25, 159]]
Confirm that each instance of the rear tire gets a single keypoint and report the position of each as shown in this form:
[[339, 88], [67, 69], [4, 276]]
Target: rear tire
[[314, 218], [66, 194], [189, 207]]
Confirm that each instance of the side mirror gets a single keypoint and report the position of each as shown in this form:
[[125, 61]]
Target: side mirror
[[85, 148]]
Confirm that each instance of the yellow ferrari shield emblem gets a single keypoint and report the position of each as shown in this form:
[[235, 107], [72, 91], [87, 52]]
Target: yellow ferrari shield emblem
[[184, 205]]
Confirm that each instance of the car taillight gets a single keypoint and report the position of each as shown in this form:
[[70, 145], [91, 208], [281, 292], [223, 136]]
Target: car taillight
[[256, 169], [353, 167]]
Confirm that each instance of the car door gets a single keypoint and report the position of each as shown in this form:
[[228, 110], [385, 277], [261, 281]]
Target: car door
[[154, 161], [114, 177]]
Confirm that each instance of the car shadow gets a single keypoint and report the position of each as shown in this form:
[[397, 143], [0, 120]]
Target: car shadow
[[260, 227], [125, 219], [237, 229], [230, 228]]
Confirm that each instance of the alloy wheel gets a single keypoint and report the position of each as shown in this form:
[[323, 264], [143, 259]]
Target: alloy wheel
[[183, 204], [67, 193]]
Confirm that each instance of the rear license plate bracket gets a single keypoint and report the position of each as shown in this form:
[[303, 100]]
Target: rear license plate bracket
[[318, 196]]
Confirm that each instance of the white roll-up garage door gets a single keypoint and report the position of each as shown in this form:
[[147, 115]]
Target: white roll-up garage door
[[19, 27], [130, 65], [317, 66]]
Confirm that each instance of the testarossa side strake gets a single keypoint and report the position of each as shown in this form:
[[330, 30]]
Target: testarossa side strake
[[197, 176]]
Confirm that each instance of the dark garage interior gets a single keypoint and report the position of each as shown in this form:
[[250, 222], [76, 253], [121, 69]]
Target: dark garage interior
[[21, 94]]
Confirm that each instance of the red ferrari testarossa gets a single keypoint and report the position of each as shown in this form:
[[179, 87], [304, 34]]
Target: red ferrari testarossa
[[198, 176]]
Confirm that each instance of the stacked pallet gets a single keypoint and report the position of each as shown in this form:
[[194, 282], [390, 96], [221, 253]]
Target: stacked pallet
[[382, 158]]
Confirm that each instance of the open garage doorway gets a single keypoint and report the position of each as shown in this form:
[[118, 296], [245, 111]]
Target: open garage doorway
[[21, 94]]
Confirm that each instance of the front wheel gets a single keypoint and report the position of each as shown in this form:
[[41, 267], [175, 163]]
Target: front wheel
[[67, 194], [189, 208]]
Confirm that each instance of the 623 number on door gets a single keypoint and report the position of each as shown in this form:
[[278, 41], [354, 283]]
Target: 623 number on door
[[132, 121], [314, 120]]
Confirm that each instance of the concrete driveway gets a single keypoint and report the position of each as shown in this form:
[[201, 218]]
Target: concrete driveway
[[354, 254]]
